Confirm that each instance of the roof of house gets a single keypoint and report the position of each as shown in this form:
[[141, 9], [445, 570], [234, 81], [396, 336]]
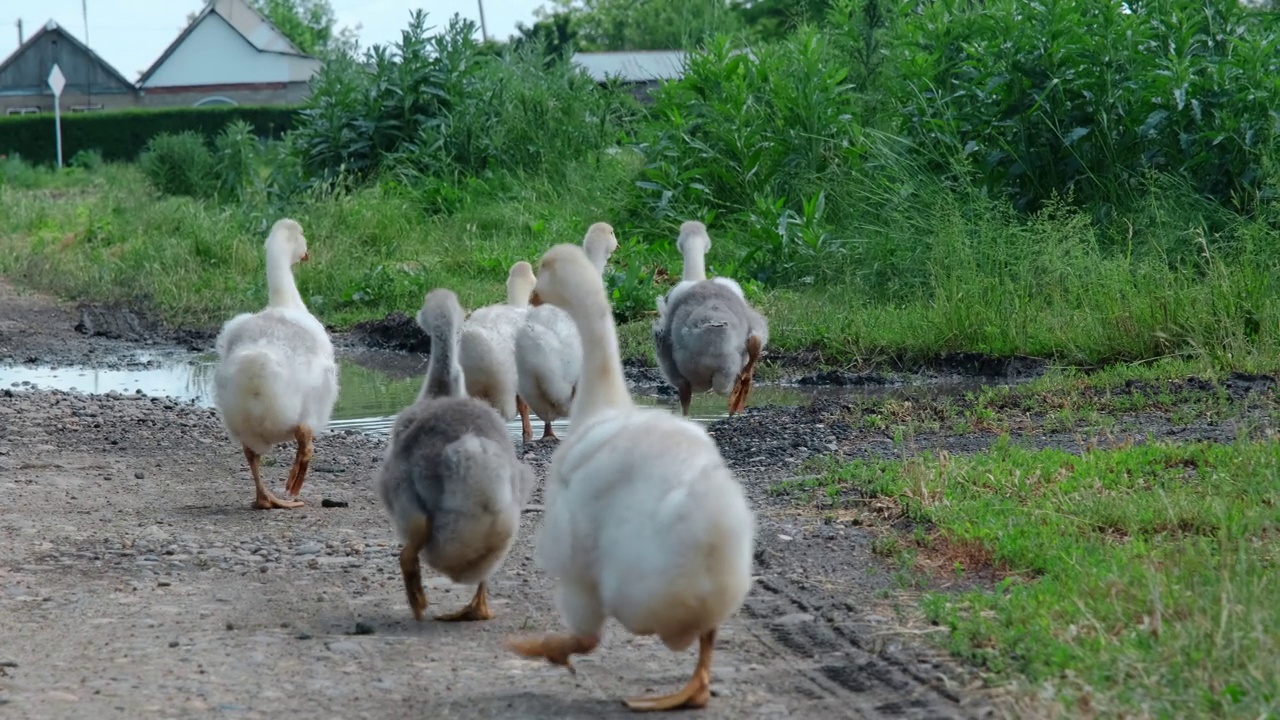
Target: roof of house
[[249, 23], [53, 27], [637, 66]]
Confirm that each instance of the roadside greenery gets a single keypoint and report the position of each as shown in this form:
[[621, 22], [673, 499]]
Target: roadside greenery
[[889, 181], [1135, 582]]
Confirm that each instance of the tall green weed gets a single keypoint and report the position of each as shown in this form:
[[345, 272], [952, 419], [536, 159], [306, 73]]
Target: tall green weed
[[1082, 97], [443, 106]]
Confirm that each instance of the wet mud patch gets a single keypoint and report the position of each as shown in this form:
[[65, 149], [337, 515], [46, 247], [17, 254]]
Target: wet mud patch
[[812, 366], [906, 422], [131, 323], [396, 331]]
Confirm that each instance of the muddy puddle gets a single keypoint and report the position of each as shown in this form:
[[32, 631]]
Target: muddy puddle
[[375, 386]]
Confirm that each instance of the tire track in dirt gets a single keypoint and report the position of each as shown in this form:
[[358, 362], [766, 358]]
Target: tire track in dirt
[[843, 664]]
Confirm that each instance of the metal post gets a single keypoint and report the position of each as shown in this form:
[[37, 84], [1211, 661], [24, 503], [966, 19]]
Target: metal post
[[57, 122], [57, 82], [484, 30], [88, 68]]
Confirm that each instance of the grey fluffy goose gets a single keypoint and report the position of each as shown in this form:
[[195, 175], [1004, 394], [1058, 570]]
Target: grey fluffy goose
[[707, 336], [450, 479]]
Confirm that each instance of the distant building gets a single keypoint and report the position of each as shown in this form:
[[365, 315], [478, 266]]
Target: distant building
[[92, 84], [228, 55], [641, 70]]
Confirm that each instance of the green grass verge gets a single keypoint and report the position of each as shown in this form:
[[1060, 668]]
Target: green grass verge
[[1141, 580], [978, 281]]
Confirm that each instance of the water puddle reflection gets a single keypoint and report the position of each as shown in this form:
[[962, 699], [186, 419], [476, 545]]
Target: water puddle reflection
[[375, 386]]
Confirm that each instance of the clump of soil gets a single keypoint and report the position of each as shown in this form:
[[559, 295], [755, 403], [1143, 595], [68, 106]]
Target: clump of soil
[[841, 378], [135, 325], [396, 331]]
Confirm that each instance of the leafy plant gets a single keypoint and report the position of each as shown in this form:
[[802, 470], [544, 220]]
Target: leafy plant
[[444, 106], [89, 160], [179, 164], [1079, 98], [236, 161]]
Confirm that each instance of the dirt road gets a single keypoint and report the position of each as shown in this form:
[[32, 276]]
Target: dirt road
[[136, 582]]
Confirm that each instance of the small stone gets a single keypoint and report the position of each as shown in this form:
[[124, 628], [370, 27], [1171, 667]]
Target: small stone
[[231, 626], [363, 628], [304, 636], [311, 548], [173, 643], [793, 619], [326, 502], [163, 583], [63, 696], [140, 475]]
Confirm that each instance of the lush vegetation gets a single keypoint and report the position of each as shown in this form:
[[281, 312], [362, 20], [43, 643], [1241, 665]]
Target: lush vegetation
[[902, 182], [1136, 580]]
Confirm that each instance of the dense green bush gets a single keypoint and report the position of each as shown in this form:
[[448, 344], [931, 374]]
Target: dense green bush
[[122, 135], [1082, 97], [180, 164], [87, 160], [443, 106]]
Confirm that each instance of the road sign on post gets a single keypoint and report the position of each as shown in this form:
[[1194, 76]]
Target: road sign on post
[[57, 81]]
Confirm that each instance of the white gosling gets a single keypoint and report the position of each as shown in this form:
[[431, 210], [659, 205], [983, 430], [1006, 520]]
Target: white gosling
[[549, 351], [276, 379], [450, 479], [487, 349], [644, 522]]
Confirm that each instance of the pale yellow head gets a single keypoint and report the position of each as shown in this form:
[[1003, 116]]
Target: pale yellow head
[[520, 282], [566, 275], [286, 238], [599, 243]]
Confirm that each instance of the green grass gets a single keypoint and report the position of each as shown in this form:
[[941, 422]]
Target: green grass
[[984, 282], [1140, 580]]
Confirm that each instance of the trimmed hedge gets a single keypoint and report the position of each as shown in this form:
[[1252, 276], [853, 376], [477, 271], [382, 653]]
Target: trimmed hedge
[[123, 134]]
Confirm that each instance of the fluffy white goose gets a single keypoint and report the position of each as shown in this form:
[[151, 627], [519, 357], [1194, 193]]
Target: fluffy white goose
[[707, 336], [644, 522], [450, 480], [548, 349], [487, 349], [276, 379]]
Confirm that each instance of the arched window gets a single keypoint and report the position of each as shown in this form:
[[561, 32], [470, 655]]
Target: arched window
[[215, 100]]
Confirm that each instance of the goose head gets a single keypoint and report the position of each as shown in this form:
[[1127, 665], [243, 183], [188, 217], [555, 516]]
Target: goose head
[[599, 244], [566, 278], [286, 240], [441, 315], [520, 282], [693, 244]]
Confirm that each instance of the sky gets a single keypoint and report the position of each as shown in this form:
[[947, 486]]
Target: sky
[[131, 34]]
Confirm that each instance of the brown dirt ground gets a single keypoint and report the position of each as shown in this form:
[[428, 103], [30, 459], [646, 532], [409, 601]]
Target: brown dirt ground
[[136, 582]]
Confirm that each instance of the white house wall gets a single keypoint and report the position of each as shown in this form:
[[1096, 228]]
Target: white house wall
[[215, 54]]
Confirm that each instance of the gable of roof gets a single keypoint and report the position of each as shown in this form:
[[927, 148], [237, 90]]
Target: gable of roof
[[52, 27], [247, 22]]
